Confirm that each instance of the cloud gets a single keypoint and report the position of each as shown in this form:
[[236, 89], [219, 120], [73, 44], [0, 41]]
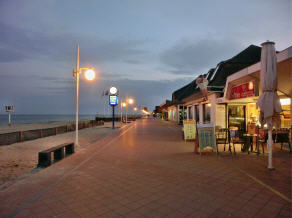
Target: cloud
[[193, 57], [17, 44], [55, 95], [132, 61]]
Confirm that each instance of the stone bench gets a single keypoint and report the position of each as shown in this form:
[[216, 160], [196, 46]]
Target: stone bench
[[60, 151]]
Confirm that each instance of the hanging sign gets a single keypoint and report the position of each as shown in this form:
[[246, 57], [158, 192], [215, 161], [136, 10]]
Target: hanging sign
[[113, 100], [202, 83], [243, 91], [189, 129]]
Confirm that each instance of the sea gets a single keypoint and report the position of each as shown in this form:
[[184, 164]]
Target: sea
[[41, 118]]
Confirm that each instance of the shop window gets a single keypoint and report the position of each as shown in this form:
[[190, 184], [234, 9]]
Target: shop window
[[286, 113], [190, 112], [236, 117], [207, 113]]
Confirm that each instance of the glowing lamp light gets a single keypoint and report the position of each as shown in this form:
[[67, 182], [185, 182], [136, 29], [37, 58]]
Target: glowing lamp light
[[113, 90], [124, 104], [285, 101], [208, 105], [250, 85], [89, 75], [135, 109], [131, 101]]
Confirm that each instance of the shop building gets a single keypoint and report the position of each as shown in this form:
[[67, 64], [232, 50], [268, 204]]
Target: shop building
[[163, 108], [243, 89], [213, 109]]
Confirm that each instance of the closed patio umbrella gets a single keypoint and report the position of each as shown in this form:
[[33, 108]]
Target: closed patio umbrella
[[269, 101]]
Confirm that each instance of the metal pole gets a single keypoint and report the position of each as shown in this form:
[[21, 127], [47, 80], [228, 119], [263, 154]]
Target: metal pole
[[126, 113], [270, 148], [9, 118], [77, 96], [121, 111], [113, 126]]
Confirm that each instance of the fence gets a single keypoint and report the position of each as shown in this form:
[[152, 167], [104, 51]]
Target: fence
[[109, 118], [21, 136]]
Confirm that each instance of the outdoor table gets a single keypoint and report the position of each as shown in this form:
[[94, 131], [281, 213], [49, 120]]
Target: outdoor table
[[250, 140]]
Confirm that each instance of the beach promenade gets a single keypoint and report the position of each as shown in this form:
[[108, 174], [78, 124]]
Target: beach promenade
[[145, 169]]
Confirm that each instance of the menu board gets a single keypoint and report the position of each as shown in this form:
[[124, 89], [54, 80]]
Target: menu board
[[189, 129], [206, 133]]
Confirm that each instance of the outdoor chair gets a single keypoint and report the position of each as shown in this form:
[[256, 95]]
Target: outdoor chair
[[237, 137], [222, 137], [283, 137], [262, 138]]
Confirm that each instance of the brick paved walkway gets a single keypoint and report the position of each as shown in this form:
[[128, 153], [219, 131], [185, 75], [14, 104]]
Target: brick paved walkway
[[146, 170]]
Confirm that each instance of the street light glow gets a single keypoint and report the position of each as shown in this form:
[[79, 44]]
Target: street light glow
[[124, 104], [89, 74], [131, 101], [135, 109], [113, 90]]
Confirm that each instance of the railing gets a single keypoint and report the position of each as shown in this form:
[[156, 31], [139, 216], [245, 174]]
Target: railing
[[21, 136]]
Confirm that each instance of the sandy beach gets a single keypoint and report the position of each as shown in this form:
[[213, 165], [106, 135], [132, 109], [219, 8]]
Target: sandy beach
[[31, 126], [19, 159]]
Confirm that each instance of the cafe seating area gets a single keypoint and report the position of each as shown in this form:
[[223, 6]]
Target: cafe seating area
[[238, 140]]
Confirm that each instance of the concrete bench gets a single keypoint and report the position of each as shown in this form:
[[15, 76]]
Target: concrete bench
[[60, 151]]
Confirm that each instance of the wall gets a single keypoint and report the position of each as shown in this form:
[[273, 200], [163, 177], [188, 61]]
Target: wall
[[14, 137]]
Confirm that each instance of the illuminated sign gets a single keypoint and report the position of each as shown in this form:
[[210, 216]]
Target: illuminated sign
[[244, 90], [113, 100]]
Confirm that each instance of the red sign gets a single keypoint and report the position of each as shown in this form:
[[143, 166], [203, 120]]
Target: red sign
[[243, 91]]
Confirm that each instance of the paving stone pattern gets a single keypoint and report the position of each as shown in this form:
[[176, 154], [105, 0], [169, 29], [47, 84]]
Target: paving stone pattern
[[147, 170]]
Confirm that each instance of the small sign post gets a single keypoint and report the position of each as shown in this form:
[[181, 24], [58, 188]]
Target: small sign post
[[206, 133], [113, 101], [189, 129], [9, 110]]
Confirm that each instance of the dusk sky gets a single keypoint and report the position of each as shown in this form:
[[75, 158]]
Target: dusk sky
[[146, 48]]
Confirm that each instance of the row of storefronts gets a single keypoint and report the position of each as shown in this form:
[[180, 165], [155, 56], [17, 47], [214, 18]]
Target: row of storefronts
[[233, 90]]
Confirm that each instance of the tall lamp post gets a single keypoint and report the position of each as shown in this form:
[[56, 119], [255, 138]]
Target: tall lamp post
[[113, 101], [135, 109], [123, 104], [130, 101], [89, 75]]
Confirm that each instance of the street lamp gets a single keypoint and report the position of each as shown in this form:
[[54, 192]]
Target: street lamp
[[113, 101], [135, 109], [89, 75], [123, 104], [113, 90], [130, 101]]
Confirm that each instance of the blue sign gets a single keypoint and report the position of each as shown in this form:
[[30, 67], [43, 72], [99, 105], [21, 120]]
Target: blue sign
[[113, 100]]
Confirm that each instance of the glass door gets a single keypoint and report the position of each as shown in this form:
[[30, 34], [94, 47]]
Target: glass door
[[236, 117]]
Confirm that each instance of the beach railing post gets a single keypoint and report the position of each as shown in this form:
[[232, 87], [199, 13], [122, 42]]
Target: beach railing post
[[20, 136]]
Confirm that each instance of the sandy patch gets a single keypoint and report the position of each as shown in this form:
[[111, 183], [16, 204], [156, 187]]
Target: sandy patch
[[16, 160]]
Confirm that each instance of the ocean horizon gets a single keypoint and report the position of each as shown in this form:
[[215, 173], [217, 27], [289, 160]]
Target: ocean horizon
[[42, 118]]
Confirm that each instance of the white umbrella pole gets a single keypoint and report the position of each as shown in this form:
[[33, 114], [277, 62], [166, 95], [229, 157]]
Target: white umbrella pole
[[270, 148]]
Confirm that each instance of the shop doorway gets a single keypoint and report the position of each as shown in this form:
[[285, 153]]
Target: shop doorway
[[237, 117]]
